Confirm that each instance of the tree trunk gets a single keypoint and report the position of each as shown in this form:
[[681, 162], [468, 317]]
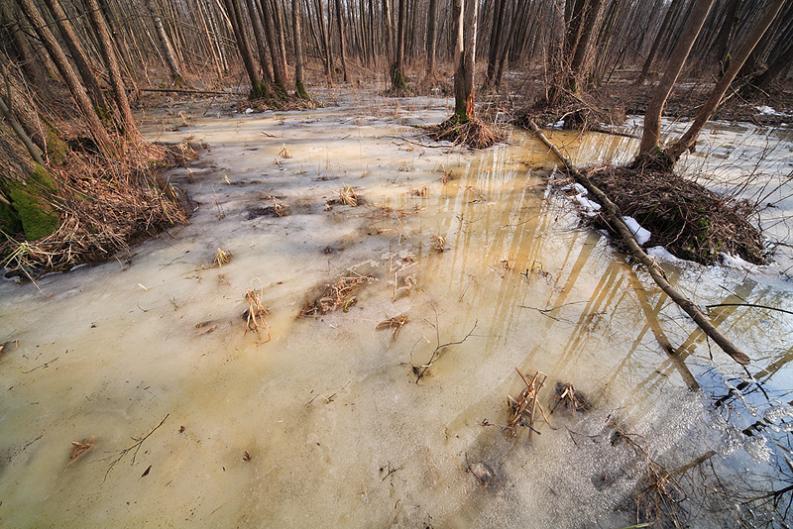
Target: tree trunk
[[300, 90], [258, 35], [95, 127], [125, 122], [342, 40], [431, 45], [79, 57], [398, 81], [165, 44], [258, 89], [687, 141], [279, 68], [651, 136], [466, 16]]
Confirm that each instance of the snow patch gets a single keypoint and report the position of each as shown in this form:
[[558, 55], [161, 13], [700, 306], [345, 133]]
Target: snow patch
[[769, 111], [249, 110], [734, 261], [662, 254], [642, 235], [590, 208]]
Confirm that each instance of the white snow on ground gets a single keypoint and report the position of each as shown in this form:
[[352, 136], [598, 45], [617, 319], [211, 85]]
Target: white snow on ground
[[769, 111], [662, 254], [734, 261], [642, 235], [590, 208], [578, 188]]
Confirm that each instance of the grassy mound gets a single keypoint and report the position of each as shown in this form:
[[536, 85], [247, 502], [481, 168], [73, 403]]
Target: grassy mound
[[688, 219], [473, 133], [582, 112], [102, 209]]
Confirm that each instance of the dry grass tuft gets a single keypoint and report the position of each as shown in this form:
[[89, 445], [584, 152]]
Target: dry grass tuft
[[222, 257], [472, 133], [348, 197], [255, 315], [341, 294], [523, 408], [570, 399], [422, 192], [688, 219], [396, 323], [438, 243], [103, 209], [284, 153]]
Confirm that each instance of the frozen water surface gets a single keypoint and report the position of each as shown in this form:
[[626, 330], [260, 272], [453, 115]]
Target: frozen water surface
[[326, 425]]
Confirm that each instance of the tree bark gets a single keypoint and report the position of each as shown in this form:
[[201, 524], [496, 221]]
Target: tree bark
[[465, 14], [258, 89], [431, 37]]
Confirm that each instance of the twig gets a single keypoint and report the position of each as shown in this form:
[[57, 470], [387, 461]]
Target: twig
[[439, 349], [753, 305], [135, 447]]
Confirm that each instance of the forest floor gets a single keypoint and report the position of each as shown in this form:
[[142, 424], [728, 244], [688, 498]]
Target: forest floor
[[395, 285]]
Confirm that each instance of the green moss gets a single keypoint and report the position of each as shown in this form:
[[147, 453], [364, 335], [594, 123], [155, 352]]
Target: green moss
[[9, 220], [56, 147], [35, 214], [300, 91]]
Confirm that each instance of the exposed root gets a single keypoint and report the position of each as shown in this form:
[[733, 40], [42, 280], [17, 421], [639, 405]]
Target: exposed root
[[524, 407], [222, 257], [341, 294], [255, 315], [688, 219], [570, 399], [395, 323], [472, 133]]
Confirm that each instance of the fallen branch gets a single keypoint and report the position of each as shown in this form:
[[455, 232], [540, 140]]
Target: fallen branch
[[615, 219], [753, 305], [421, 370], [184, 91]]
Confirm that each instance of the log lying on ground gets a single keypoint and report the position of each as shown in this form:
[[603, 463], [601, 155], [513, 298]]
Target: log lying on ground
[[615, 219]]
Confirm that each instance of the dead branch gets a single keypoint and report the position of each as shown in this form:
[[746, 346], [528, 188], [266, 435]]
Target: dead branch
[[615, 219]]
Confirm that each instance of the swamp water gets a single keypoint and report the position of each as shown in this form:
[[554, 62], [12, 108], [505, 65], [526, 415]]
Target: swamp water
[[325, 424]]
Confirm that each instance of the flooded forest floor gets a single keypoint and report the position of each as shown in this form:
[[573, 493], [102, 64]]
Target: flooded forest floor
[[345, 359]]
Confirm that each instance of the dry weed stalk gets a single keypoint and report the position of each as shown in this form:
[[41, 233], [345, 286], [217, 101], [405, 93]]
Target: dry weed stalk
[[348, 197], [421, 192], [222, 257], [341, 294], [284, 153], [255, 315], [396, 323], [523, 409]]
